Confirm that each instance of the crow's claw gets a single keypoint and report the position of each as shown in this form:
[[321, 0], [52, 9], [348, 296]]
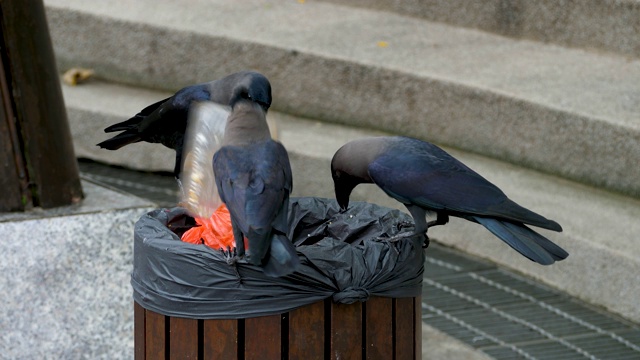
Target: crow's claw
[[425, 244], [230, 255], [404, 224]]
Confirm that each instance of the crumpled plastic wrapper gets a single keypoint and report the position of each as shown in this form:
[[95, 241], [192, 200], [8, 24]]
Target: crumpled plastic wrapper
[[341, 255]]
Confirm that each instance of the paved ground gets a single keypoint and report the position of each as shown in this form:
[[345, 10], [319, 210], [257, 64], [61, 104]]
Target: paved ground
[[489, 310]]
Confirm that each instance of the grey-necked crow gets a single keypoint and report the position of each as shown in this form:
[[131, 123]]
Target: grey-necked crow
[[165, 122], [425, 179], [253, 176]]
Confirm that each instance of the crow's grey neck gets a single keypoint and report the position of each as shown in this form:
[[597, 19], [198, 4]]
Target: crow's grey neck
[[247, 124], [354, 158]]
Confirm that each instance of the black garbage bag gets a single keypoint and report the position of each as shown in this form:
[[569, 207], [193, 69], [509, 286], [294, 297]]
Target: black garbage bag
[[340, 254]]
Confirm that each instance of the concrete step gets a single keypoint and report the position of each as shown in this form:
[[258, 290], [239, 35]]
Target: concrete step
[[611, 26], [562, 111], [600, 227]]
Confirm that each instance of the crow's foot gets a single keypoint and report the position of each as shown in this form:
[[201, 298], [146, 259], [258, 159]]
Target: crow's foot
[[442, 219], [425, 244], [230, 255], [404, 224], [232, 258]]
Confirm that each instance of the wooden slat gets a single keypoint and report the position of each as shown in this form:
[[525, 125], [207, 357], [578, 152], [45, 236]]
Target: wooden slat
[[379, 328], [183, 335], [155, 335], [220, 339], [306, 332], [138, 331], [417, 326], [346, 331], [404, 318], [262, 338]]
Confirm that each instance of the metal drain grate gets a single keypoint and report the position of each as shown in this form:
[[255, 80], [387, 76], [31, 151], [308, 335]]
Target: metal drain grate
[[493, 310], [509, 317]]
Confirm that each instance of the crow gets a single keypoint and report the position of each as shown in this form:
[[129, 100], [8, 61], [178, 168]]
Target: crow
[[254, 180], [426, 179], [165, 121]]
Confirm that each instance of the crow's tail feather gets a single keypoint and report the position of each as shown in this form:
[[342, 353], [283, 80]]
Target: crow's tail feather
[[120, 140], [524, 240], [125, 125]]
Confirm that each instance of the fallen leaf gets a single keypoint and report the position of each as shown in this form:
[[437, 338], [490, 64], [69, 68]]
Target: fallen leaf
[[74, 76]]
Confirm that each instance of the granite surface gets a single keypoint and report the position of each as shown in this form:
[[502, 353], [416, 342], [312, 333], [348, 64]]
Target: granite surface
[[66, 292]]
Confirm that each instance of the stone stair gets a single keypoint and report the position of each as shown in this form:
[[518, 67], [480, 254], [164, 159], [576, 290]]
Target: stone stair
[[569, 112], [610, 26], [543, 121]]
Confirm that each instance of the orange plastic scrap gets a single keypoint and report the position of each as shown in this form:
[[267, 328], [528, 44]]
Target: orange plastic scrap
[[194, 235], [214, 232]]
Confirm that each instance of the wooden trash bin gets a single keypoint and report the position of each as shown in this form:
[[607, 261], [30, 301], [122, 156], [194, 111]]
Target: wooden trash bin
[[183, 291], [379, 328]]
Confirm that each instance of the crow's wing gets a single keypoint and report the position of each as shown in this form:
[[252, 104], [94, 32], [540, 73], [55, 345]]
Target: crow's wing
[[268, 198], [231, 168], [136, 119], [429, 177], [254, 184], [434, 180], [171, 115]]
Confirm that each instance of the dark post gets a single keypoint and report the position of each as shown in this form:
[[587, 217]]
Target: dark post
[[38, 164]]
